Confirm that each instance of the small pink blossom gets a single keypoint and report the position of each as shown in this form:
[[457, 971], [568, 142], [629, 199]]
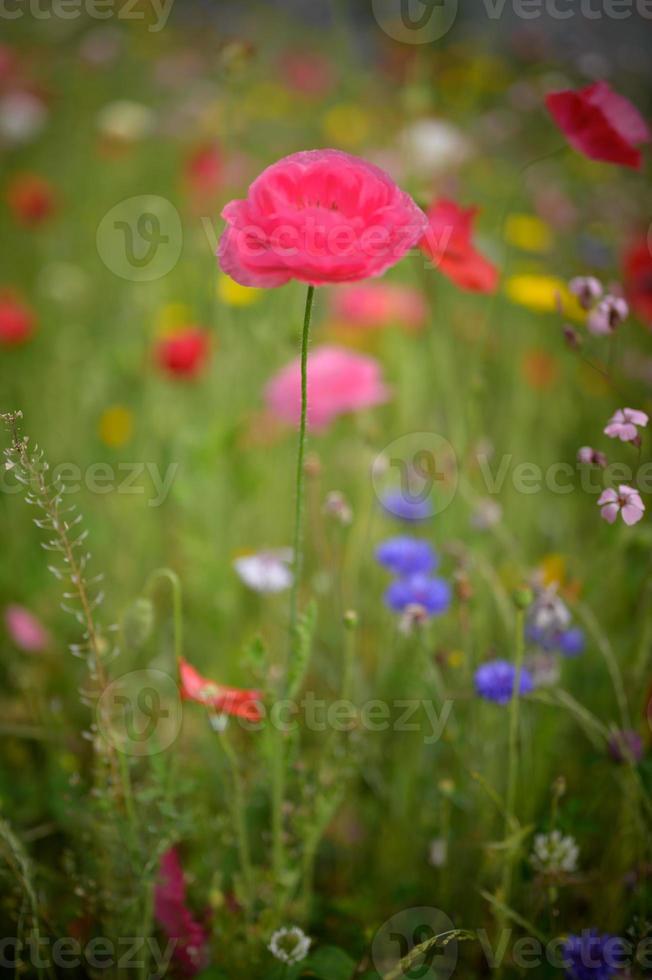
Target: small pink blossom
[[371, 305], [588, 290], [607, 316], [339, 382], [623, 424], [320, 216], [625, 501], [591, 457], [25, 629]]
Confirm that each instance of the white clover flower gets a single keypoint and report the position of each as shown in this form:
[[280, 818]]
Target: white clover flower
[[290, 944], [266, 571], [553, 853]]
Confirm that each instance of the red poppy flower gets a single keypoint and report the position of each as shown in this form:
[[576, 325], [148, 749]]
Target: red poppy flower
[[183, 353], [226, 700], [17, 321], [448, 242], [637, 278], [175, 918], [30, 198], [204, 171], [600, 123]]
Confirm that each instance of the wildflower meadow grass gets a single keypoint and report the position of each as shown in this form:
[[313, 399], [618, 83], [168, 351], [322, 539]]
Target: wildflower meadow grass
[[326, 624]]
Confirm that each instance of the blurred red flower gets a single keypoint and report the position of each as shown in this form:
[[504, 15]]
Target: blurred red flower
[[637, 278], [176, 919], [600, 123], [307, 72], [448, 243], [31, 198], [184, 353], [17, 321], [204, 171], [226, 700]]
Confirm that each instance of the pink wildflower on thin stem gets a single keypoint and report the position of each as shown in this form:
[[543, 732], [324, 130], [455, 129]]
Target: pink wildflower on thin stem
[[591, 457], [623, 424], [626, 501], [607, 316], [588, 290]]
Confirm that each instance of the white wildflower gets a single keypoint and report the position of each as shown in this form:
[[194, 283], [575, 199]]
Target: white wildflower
[[438, 852], [290, 945], [266, 571], [554, 852]]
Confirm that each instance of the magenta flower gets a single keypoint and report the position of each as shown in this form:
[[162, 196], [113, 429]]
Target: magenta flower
[[319, 216], [607, 316], [623, 424], [626, 501], [25, 629], [339, 382]]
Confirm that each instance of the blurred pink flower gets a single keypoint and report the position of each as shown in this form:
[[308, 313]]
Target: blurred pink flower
[[588, 290], [590, 456], [338, 382], [622, 424], [626, 501], [607, 315], [319, 216], [25, 629], [175, 918], [370, 305]]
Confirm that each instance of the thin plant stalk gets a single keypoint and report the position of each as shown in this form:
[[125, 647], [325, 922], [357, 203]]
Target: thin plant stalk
[[512, 761], [278, 760]]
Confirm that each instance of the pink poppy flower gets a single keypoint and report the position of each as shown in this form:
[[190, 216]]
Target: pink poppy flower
[[623, 424], [607, 316], [448, 243], [600, 123], [626, 501], [226, 700], [320, 216], [25, 629], [339, 382], [176, 919], [371, 305]]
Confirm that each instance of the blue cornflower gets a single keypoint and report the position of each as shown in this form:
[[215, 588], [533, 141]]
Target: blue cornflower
[[571, 642], [407, 556], [433, 594], [405, 507], [591, 956], [495, 681]]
